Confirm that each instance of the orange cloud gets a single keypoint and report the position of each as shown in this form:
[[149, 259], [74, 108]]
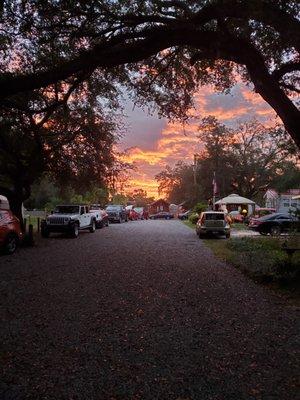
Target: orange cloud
[[175, 142]]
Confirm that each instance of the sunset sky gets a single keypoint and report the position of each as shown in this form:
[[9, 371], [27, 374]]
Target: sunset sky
[[152, 143]]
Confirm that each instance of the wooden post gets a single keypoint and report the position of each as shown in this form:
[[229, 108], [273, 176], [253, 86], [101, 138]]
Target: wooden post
[[30, 235], [38, 224], [25, 223]]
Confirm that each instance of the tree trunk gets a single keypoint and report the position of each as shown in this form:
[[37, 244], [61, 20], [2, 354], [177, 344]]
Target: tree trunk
[[16, 203]]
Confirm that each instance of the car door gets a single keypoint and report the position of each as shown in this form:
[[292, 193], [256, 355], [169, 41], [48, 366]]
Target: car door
[[285, 223], [82, 217]]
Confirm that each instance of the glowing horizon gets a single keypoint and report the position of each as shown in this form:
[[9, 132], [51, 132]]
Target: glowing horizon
[[153, 143]]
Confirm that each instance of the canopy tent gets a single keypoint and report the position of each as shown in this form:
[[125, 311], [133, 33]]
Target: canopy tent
[[234, 199]]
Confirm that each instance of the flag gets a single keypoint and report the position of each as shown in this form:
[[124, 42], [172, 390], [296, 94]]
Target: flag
[[214, 185], [271, 194]]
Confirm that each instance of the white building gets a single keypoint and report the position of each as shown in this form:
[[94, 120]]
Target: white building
[[283, 202]]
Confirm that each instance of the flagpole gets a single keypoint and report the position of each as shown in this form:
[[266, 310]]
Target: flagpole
[[214, 192]]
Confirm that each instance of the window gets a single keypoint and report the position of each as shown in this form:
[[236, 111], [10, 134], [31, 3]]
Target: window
[[215, 217]]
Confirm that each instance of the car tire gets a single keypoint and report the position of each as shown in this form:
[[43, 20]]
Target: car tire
[[99, 224], [11, 243], [227, 235], [263, 233], [275, 230], [74, 231], [93, 226]]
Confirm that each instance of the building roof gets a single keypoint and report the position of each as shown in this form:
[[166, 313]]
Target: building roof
[[234, 199]]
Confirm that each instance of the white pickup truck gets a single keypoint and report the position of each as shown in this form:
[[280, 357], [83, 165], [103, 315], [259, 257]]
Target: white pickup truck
[[69, 219]]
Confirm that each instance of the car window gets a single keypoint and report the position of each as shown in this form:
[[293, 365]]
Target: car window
[[214, 217], [66, 210], [269, 217]]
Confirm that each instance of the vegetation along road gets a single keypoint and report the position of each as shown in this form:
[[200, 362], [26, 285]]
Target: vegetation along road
[[140, 311]]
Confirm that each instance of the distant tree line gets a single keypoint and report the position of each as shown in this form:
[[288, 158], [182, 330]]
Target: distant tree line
[[246, 160]]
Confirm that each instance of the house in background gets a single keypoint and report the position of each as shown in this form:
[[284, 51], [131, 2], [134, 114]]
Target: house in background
[[158, 206], [283, 202]]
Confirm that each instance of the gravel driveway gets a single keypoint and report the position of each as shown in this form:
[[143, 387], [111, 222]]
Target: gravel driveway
[[138, 311]]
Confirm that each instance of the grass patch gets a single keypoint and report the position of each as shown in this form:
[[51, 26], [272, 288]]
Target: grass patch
[[32, 220], [239, 227], [189, 224], [262, 259]]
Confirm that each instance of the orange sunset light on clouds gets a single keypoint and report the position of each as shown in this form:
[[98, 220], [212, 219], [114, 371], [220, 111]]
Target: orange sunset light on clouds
[[152, 143]]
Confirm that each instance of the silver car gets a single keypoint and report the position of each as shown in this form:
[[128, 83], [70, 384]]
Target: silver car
[[213, 222]]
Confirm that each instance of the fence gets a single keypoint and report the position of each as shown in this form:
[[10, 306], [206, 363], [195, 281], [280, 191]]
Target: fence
[[33, 218]]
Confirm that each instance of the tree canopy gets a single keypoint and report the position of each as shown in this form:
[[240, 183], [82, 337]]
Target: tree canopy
[[73, 144], [245, 160], [162, 51]]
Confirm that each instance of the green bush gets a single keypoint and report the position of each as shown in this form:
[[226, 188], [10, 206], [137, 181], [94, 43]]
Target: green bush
[[199, 207], [264, 260], [193, 218]]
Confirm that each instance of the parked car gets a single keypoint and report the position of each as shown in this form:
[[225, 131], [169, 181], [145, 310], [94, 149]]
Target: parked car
[[162, 215], [100, 215], [133, 215], [185, 215], [213, 222], [139, 211], [116, 213], [69, 219], [275, 224], [10, 232], [261, 212], [236, 216], [145, 214]]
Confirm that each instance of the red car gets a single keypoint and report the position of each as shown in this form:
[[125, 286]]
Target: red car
[[133, 215], [10, 231]]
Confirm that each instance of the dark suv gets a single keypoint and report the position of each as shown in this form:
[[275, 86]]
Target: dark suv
[[116, 213]]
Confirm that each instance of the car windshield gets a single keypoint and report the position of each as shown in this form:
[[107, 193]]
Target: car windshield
[[66, 210], [113, 208], [214, 217], [95, 207], [138, 209]]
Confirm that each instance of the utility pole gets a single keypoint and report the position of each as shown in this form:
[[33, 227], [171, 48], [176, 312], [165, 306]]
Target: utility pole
[[195, 170]]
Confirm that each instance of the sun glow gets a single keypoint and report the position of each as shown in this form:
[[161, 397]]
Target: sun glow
[[177, 142]]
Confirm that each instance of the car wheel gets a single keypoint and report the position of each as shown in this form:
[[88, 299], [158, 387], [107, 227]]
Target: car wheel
[[100, 224], [11, 243], [275, 230], [93, 226], [74, 232], [227, 235]]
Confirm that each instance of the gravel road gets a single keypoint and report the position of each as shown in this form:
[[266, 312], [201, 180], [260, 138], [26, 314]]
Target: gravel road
[[136, 311]]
